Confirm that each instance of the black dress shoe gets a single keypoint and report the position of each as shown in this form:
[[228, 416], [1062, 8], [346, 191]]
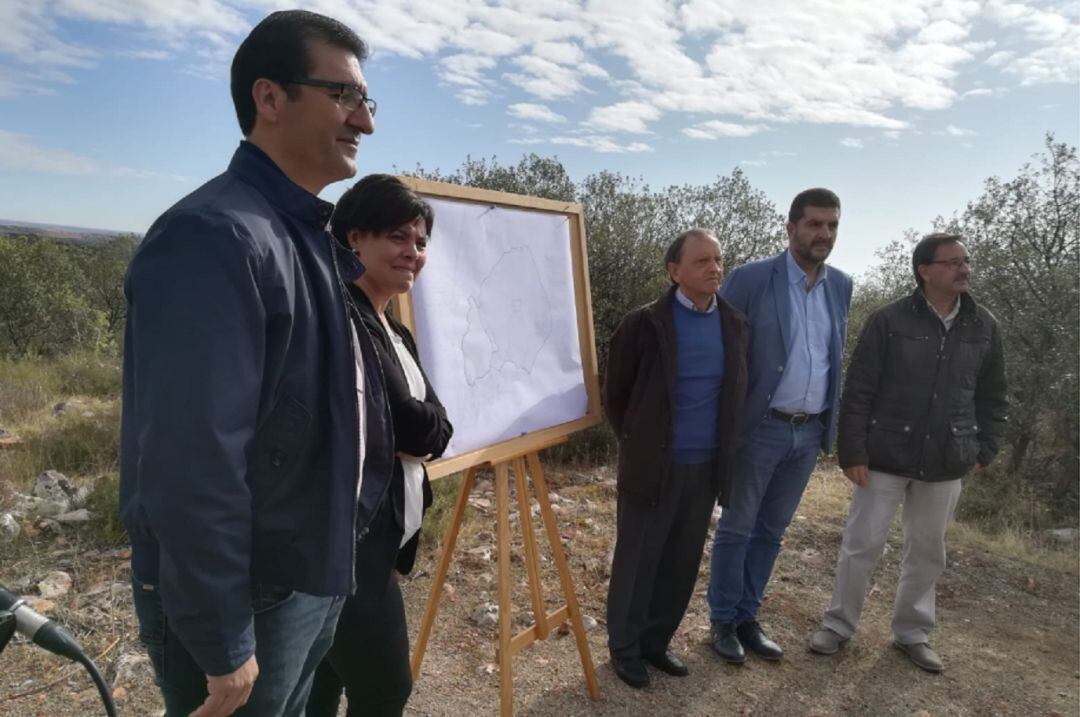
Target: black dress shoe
[[753, 639], [631, 671], [667, 662], [726, 643]]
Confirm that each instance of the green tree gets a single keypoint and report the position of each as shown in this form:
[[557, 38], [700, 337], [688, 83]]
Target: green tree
[[102, 268], [42, 310], [1024, 238]]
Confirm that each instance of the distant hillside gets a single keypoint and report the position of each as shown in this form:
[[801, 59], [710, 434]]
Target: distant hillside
[[71, 235]]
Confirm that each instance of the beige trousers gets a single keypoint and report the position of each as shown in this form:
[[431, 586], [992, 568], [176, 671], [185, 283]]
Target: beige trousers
[[928, 506]]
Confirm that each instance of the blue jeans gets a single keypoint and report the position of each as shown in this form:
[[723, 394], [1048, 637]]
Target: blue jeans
[[774, 466], [292, 633]]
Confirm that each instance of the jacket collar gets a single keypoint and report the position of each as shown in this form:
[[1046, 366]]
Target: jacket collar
[[255, 167], [918, 303]]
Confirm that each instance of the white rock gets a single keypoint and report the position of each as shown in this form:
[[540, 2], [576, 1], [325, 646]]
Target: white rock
[[54, 485], [1064, 536], [54, 585], [133, 669], [589, 622], [9, 528], [482, 553], [53, 507], [486, 615], [81, 515]]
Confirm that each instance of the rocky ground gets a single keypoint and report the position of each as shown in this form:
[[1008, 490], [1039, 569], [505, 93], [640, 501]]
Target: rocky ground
[[1008, 628]]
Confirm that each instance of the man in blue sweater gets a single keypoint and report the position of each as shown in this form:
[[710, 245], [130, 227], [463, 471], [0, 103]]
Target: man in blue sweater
[[673, 391]]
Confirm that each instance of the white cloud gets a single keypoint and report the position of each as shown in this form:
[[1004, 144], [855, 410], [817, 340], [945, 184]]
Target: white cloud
[[715, 129], [978, 92], [596, 142], [754, 163], [1050, 51], [530, 111], [147, 54], [632, 117], [855, 64], [852, 142], [474, 96], [465, 69], [954, 131], [545, 79], [21, 153]]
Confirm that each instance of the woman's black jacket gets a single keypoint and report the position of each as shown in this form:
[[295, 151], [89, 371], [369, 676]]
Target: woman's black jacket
[[421, 428]]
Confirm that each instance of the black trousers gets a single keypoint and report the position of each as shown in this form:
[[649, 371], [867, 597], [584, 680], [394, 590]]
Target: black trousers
[[657, 555], [369, 659], [370, 655]]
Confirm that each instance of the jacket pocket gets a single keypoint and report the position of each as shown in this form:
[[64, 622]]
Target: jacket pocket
[[889, 444], [961, 446], [265, 597], [281, 438]]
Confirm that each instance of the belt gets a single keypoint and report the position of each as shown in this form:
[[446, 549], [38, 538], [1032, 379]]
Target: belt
[[795, 419]]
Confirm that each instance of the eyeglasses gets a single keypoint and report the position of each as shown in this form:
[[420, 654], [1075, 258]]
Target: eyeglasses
[[347, 95], [954, 263]]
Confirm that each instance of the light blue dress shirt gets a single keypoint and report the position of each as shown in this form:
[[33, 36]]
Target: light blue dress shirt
[[804, 387], [685, 301]]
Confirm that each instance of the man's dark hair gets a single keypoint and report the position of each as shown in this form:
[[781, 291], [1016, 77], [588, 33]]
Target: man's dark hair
[[277, 49], [674, 252], [378, 203], [926, 250], [816, 197]]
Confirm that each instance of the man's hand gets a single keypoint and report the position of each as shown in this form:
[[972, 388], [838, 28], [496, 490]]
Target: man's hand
[[857, 474], [230, 692]]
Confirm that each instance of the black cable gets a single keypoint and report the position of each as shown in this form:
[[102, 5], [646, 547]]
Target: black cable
[[103, 687], [47, 634]]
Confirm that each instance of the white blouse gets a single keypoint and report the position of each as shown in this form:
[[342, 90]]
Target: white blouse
[[412, 467]]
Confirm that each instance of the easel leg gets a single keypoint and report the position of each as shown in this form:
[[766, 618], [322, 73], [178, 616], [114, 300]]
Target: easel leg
[[528, 538], [467, 483], [559, 556], [502, 509]]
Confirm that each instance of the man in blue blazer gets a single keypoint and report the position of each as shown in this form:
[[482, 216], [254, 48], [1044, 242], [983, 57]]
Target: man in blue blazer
[[797, 308]]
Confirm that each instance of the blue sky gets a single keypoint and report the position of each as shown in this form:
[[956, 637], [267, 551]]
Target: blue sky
[[111, 110]]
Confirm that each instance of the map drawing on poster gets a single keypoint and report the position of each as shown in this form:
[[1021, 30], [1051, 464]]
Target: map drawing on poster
[[496, 322]]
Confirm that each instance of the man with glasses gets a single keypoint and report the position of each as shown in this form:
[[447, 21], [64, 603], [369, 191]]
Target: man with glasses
[[924, 403], [256, 435]]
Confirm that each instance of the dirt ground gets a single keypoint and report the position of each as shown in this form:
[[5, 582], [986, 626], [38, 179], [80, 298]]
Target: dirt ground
[[1007, 630]]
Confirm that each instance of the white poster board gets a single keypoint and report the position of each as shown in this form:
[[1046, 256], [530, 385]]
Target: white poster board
[[502, 319]]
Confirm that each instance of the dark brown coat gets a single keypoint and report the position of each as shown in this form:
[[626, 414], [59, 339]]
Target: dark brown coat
[[639, 397]]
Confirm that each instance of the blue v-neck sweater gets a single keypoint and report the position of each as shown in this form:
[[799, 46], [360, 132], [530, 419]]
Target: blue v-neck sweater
[[699, 360]]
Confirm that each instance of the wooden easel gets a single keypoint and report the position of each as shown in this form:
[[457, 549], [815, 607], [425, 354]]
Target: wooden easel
[[509, 645]]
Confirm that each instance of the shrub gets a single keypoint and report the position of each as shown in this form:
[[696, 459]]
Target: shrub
[[80, 442], [104, 503]]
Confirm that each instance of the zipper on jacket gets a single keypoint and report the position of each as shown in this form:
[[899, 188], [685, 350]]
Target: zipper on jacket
[[937, 371], [353, 339]]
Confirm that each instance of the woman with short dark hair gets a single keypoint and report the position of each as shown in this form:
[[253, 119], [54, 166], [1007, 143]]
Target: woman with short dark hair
[[387, 226]]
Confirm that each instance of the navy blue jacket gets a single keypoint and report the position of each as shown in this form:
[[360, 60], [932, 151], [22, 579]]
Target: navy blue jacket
[[760, 290], [239, 437]]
